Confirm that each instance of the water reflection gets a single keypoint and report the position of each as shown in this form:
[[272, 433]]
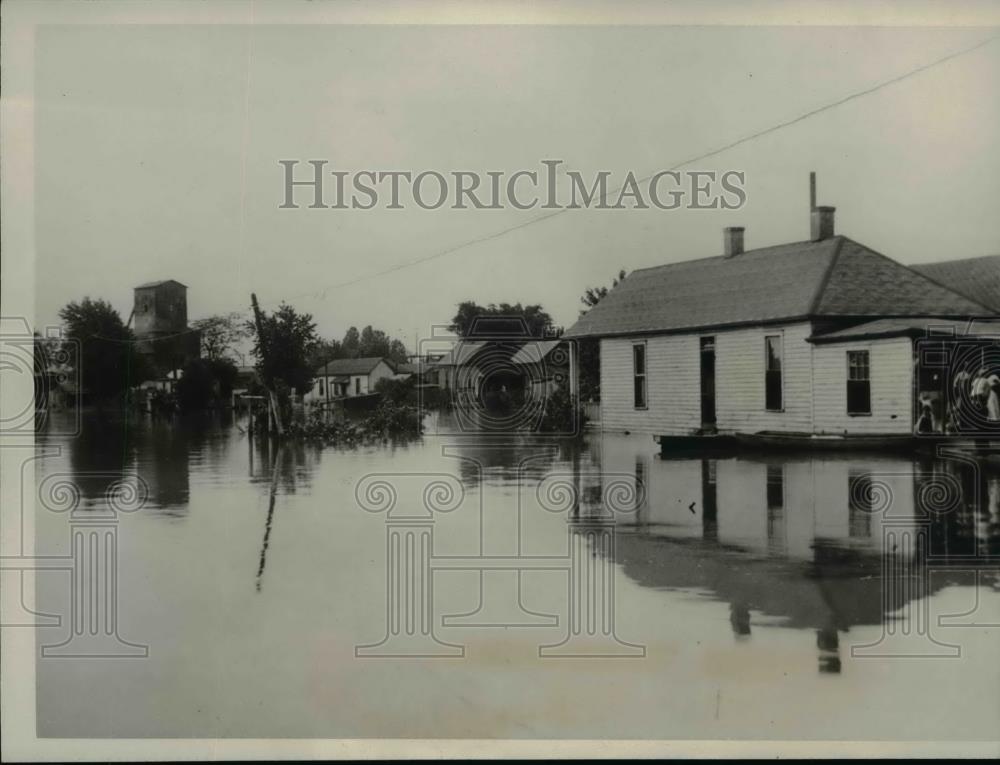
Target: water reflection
[[715, 565], [807, 540]]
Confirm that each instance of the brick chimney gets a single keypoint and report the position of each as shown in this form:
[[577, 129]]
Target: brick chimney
[[733, 240], [822, 223]]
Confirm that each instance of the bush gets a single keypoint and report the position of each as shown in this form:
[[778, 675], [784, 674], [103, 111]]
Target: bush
[[397, 391], [558, 415], [388, 422]]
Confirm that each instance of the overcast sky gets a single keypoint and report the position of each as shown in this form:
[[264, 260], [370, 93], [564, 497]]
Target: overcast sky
[[157, 152]]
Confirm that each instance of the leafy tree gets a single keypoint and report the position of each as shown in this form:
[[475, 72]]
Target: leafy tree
[[284, 349], [375, 342], [351, 344], [324, 351], [590, 348], [102, 349], [367, 342], [205, 382], [397, 351], [220, 334], [593, 295], [473, 320]]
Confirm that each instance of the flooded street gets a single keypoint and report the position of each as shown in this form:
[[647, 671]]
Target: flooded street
[[589, 590]]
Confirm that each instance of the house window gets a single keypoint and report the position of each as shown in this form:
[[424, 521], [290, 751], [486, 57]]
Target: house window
[[357, 386], [859, 383], [321, 391], [772, 373], [639, 375]]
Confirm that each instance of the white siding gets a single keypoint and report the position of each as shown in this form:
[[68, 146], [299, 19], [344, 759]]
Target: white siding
[[814, 380], [672, 393], [673, 382], [739, 380], [891, 387]]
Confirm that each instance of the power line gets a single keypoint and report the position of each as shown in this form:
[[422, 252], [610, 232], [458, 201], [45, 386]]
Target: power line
[[733, 144]]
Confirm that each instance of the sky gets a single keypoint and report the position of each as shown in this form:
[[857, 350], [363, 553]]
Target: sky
[[157, 150]]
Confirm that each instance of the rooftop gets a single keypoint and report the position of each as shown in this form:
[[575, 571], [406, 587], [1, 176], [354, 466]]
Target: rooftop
[[833, 277], [147, 285], [915, 328], [361, 366], [976, 278]]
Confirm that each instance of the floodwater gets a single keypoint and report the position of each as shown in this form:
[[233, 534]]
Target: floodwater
[[510, 587]]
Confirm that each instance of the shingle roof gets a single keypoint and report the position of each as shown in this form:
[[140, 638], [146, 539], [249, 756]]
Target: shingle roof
[[157, 284], [461, 353], [533, 352], [362, 366], [831, 277], [976, 278], [914, 327]]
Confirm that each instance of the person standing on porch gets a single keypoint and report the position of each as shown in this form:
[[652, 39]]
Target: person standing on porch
[[993, 400], [980, 389]]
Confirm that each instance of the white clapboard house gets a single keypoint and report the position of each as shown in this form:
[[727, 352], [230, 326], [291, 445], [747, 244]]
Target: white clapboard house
[[347, 378], [813, 338]]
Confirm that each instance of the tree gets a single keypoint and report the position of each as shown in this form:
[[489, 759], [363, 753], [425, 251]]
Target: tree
[[102, 349], [324, 351], [220, 334], [367, 342], [397, 351], [284, 348], [472, 320], [590, 348], [351, 344], [593, 295], [205, 382]]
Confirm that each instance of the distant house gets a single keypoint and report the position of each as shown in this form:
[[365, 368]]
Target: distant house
[[346, 378], [458, 371], [808, 338], [422, 369], [544, 365]]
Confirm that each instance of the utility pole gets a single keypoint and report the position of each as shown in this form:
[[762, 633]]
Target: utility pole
[[272, 396]]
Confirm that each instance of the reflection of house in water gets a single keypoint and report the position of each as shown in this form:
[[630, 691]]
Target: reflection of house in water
[[801, 539]]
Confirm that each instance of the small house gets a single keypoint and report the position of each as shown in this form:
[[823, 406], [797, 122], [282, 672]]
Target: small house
[[824, 337], [347, 378], [544, 366]]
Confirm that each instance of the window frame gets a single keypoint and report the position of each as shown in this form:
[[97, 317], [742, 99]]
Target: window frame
[[780, 370], [849, 380], [644, 376]]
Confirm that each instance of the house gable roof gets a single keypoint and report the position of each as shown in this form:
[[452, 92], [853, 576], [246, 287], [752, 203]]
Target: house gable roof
[[831, 277], [461, 353], [534, 351], [362, 366], [976, 278], [149, 285]]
